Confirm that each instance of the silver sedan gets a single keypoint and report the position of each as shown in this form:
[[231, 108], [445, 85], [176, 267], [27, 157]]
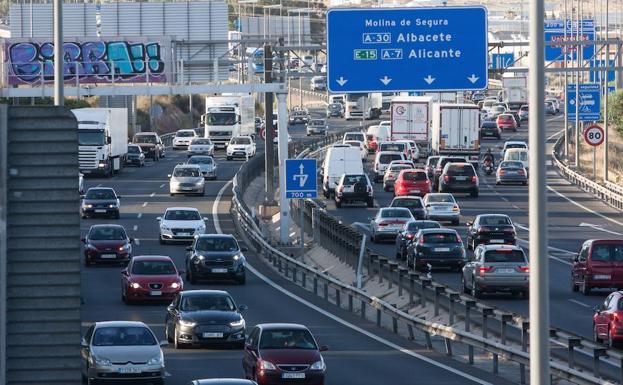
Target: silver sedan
[[442, 207], [511, 172], [388, 222]]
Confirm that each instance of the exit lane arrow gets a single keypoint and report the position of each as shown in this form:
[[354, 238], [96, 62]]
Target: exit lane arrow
[[385, 80], [473, 78], [341, 81], [429, 79]]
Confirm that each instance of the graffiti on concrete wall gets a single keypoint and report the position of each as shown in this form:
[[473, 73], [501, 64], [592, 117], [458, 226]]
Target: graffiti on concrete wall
[[116, 61]]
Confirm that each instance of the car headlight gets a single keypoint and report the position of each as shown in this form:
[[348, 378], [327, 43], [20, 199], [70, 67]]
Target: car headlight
[[125, 247], [188, 324], [157, 360], [238, 323], [164, 227], [101, 361], [236, 257], [87, 206], [265, 365], [201, 228], [175, 285], [199, 183], [318, 365], [135, 285]]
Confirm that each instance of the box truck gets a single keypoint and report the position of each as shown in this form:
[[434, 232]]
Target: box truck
[[362, 105], [456, 130], [411, 118], [228, 116], [102, 139]]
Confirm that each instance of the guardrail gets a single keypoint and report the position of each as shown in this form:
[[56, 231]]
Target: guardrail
[[576, 359], [610, 193]]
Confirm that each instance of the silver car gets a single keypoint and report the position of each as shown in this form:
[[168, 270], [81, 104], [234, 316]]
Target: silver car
[[121, 350], [388, 222], [510, 171], [442, 207], [497, 268], [317, 127], [207, 164], [201, 146], [186, 179]]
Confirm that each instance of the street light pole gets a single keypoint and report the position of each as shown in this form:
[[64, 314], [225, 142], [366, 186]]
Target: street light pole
[[58, 54], [607, 62], [565, 50]]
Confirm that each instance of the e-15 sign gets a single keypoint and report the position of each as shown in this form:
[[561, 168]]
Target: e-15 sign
[[365, 54]]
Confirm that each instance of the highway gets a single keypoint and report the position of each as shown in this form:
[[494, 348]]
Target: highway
[[353, 357], [574, 217]]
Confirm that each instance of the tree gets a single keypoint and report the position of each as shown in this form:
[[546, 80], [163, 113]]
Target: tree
[[615, 111]]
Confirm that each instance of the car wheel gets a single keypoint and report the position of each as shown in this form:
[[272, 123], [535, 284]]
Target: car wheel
[[524, 183], [456, 222], [87, 263], [475, 289], [526, 294], [162, 241], [469, 244], [373, 238], [229, 158], [326, 194], [585, 288], [167, 333], [465, 289], [117, 215], [242, 280], [124, 297], [574, 286], [370, 202]]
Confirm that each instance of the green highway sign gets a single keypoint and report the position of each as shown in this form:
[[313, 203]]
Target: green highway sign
[[365, 54]]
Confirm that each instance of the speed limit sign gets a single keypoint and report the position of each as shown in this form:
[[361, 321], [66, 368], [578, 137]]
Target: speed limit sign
[[594, 135], [263, 134]]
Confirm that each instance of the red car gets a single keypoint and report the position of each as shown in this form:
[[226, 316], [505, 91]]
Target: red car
[[507, 122], [283, 354], [150, 278], [599, 264], [608, 320], [412, 182], [107, 244]]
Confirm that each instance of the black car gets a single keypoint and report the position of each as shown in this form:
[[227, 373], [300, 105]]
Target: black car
[[215, 257], [459, 177], [491, 228], [431, 164], [135, 156], [490, 128], [441, 163], [222, 381], [415, 204], [197, 317], [150, 143], [100, 201], [407, 234], [437, 247], [354, 188]]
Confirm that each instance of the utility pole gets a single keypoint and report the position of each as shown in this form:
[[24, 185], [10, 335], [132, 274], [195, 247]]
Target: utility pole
[[565, 50], [59, 79], [607, 62], [269, 148], [577, 87]]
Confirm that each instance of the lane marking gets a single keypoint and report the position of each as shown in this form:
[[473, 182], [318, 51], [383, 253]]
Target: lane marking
[[332, 316], [584, 207], [162, 185], [598, 227], [139, 215], [137, 241], [152, 194], [579, 303], [135, 227], [144, 204]]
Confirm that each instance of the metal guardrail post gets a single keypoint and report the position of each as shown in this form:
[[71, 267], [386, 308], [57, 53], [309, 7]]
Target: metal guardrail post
[[438, 291], [423, 284], [350, 302], [382, 262], [315, 284], [448, 343], [486, 312], [402, 272], [597, 353], [470, 349], [525, 326], [621, 371], [452, 297], [326, 291], [572, 344], [395, 325], [392, 267], [362, 310], [304, 279], [506, 318], [338, 299], [378, 317], [413, 276]]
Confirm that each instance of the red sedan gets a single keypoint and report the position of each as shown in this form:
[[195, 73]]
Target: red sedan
[[150, 278], [506, 122], [412, 182], [107, 244], [608, 320]]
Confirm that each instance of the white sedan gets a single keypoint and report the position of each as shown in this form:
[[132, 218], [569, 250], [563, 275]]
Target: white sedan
[[241, 147], [201, 146], [181, 224]]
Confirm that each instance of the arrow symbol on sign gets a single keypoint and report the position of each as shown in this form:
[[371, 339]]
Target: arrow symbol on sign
[[473, 78], [429, 79], [302, 177], [341, 81], [385, 80]]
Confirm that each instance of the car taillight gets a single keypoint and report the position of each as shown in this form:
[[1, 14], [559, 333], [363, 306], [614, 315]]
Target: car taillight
[[521, 172], [446, 178], [422, 240], [474, 179], [383, 223], [409, 236], [455, 208], [484, 270], [502, 172], [525, 269], [458, 238], [369, 189], [341, 189]]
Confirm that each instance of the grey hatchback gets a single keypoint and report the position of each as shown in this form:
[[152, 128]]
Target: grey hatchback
[[436, 247]]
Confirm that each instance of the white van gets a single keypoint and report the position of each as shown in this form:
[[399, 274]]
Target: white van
[[382, 161], [340, 159], [518, 155], [336, 98], [355, 135]]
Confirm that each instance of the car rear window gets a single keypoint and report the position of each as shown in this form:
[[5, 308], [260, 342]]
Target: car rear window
[[511, 165], [460, 169], [497, 220], [493, 256], [414, 176], [395, 214], [387, 158], [506, 117], [353, 179], [607, 253], [398, 167], [400, 147], [432, 162], [415, 226], [358, 137], [442, 163], [440, 238], [409, 203]]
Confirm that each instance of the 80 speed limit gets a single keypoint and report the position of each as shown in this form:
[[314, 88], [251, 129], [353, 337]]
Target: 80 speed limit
[[594, 135]]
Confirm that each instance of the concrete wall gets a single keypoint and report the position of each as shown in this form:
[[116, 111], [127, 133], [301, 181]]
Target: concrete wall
[[42, 247]]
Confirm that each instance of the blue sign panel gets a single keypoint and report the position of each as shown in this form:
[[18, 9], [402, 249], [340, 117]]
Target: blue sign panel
[[596, 76], [590, 102], [502, 60], [301, 178], [555, 32], [406, 49]]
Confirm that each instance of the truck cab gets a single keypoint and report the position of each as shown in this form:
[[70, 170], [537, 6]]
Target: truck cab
[[228, 116]]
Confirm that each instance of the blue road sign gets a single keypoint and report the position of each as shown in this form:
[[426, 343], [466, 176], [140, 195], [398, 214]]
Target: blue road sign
[[611, 89], [596, 76], [301, 178], [590, 102], [502, 60], [555, 31], [406, 49]]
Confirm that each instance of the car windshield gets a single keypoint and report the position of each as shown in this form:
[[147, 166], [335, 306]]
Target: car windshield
[[354, 179], [511, 165], [216, 244], [335, 106], [440, 198], [207, 302], [395, 214], [182, 215], [241, 140], [421, 225], [316, 122], [398, 167], [201, 141], [144, 139], [100, 194], [607, 253], [414, 176], [495, 220], [153, 268], [358, 137], [432, 161], [287, 339], [200, 160], [185, 134], [515, 145], [523, 108], [517, 155], [440, 238], [505, 255], [123, 336], [91, 137], [107, 234], [410, 203], [134, 149], [387, 158], [393, 147], [460, 169], [186, 172]]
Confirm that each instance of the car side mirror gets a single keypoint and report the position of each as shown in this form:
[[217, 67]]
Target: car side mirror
[[118, 196], [181, 272], [243, 307], [81, 196], [244, 248], [158, 218], [84, 343], [469, 223], [131, 240], [83, 240], [205, 218], [171, 307], [124, 272], [598, 308], [324, 348], [108, 140]]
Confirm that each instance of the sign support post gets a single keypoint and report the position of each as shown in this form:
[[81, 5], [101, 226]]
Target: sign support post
[[284, 207]]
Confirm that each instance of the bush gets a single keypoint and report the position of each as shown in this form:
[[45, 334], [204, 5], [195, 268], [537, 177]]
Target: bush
[[615, 111]]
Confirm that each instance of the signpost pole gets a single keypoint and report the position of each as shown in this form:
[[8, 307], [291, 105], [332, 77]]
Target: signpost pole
[[59, 79], [284, 207], [607, 61], [577, 88], [595, 164], [565, 51], [302, 223], [269, 146]]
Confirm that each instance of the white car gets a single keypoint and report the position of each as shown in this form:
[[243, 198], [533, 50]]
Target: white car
[[187, 179], [201, 146], [442, 207], [512, 144], [183, 138], [240, 147], [80, 183], [181, 224], [386, 123], [276, 139], [414, 150]]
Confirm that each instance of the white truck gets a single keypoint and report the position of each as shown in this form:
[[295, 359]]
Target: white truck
[[456, 131], [514, 89], [363, 105], [102, 139], [228, 116], [411, 118]]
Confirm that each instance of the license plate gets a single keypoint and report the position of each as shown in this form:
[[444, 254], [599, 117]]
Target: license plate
[[511, 172], [212, 335], [293, 375], [506, 271], [187, 188], [414, 191], [219, 270], [109, 256], [129, 370], [240, 153], [497, 241], [156, 293], [601, 276], [440, 249], [460, 177], [100, 210], [183, 234]]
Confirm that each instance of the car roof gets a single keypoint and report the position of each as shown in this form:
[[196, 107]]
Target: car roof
[[606, 241], [393, 208], [389, 152], [181, 208], [223, 381], [187, 165], [101, 188], [101, 324], [499, 247], [204, 292], [99, 225], [151, 258], [492, 215], [215, 236], [146, 134], [439, 230], [279, 325], [186, 130], [407, 198], [515, 142]]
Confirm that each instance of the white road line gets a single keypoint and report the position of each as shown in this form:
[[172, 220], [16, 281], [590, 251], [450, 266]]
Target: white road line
[[556, 134], [152, 194], [162, 185], [335, 318], [584, 207], [144, 204], [598, 227], [139, 215], [137, 242], [579, 303], [135, 227]]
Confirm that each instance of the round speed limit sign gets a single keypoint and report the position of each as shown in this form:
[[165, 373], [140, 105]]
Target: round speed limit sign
[[263, 133], [594, 135]]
